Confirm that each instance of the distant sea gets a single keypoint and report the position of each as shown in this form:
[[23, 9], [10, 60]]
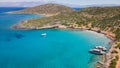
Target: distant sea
[[7, 9], [59, 49], [78, 8]]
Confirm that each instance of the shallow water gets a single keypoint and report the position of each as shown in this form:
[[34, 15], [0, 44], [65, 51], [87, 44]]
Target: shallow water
[[59, 49]]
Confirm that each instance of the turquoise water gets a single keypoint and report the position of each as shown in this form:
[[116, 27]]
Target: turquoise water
[[59, 49]]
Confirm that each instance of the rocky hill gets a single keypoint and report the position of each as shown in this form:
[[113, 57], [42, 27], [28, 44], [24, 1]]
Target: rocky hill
[[101, 19], [47, 9], [104, 18]]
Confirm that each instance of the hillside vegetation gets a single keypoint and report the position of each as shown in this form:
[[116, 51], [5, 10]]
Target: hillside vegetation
[[47, 9], [106, 18], [101, 18]]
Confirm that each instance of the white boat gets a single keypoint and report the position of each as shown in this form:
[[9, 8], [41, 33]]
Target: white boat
[[97, 51], [101, 48], [43, 34]]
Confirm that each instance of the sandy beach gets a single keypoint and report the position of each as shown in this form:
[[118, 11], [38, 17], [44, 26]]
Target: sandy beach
[[109, 56]]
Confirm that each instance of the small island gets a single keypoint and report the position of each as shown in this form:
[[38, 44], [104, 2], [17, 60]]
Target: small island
[[104, 20]]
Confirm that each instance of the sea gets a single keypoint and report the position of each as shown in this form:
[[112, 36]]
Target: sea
[[60, 48]]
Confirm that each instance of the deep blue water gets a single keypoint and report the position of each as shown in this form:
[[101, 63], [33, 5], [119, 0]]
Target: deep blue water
[[59, 49], [8, 9], [78, 8]]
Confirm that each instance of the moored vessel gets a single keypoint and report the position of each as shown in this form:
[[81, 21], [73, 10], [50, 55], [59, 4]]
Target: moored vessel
[[98, 50], [43, 34]]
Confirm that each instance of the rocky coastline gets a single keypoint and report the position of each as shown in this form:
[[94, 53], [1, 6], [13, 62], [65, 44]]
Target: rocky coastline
[[59, 26]]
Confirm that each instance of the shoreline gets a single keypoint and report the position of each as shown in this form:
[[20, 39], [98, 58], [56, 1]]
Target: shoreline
[[46, 15], [108, 56], [18, 26]]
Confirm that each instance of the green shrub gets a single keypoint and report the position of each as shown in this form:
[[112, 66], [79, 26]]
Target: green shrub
[[114, 62], [117, 57], [114, 51], [118, 46]]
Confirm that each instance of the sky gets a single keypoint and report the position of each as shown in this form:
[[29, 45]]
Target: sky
[[77, 2]]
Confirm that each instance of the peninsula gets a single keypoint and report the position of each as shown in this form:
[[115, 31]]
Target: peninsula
[[104, 20], [47, 9]]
